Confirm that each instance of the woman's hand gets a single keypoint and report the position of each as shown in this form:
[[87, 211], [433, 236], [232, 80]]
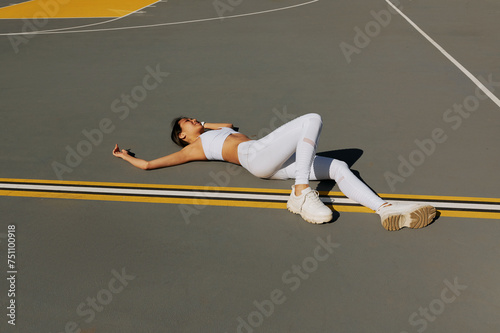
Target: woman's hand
[[127, 156], [119, 153]]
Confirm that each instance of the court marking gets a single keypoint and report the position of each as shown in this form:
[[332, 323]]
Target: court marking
[[464, 70], [14, 4], [82, 26], [466, 207], [67, 29], [41, 9]]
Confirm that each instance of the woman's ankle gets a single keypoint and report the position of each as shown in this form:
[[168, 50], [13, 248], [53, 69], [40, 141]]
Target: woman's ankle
[[299, 188]]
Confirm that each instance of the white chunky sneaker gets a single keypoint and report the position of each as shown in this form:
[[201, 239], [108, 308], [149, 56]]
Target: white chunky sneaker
[[309, 206], [410, 215]]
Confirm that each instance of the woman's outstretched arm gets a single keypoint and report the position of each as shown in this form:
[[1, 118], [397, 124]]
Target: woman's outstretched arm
[[183, 156]]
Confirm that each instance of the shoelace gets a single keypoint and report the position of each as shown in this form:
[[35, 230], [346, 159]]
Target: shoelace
[[314, 199]]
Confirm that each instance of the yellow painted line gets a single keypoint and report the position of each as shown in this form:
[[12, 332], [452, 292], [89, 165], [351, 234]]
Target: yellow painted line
[[186, 201], [46, 9], [436, 198], [243, 189], [40, 193], [477, 215], [239, 189], [224, 203], [151, 186]]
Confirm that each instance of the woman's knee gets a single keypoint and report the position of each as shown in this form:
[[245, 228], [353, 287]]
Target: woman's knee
[[314, 116], [338, 170], [341, 165]]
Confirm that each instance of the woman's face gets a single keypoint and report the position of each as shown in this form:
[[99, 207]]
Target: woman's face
[[191, 128]]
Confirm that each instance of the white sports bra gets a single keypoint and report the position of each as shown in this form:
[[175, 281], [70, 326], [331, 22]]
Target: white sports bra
[[213, 140]]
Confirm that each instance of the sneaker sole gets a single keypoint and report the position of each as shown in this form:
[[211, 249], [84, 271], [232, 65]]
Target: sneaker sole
[[419, 218], [311, 220], [292, 209]]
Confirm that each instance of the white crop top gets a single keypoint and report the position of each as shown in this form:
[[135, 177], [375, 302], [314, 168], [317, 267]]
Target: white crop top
[[213, 140]]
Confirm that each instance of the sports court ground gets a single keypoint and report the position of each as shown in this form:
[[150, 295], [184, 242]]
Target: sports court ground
[[408, 94]]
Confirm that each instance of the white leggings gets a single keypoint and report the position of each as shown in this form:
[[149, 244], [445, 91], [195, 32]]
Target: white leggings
[[289, 152]]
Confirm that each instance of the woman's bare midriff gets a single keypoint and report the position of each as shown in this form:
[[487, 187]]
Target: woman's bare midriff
[[230, 147]]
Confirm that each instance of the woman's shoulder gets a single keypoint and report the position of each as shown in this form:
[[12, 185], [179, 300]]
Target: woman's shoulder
[[195, 149]]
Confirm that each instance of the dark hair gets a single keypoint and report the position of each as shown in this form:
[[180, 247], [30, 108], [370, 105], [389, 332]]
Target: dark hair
[[176, 130]]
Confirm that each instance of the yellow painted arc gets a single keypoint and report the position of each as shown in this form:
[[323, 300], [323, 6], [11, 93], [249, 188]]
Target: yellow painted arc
[[47, 9]]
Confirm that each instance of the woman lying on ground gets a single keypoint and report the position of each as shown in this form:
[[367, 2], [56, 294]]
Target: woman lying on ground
[[288, 152]]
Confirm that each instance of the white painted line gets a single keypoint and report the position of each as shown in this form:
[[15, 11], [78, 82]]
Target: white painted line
[[447, 55], [457, 205], [138, 192], [227, 195], [59, 31]]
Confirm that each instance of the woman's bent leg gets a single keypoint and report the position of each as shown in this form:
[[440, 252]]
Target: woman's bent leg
[[328, 168], [394, 216], [299, 137], [306, 148], [352, 187], [267, 155]]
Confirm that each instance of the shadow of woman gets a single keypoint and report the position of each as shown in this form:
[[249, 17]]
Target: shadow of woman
[[350, 156]]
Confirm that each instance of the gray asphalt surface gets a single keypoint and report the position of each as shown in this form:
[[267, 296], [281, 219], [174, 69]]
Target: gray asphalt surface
[[108, 267]]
